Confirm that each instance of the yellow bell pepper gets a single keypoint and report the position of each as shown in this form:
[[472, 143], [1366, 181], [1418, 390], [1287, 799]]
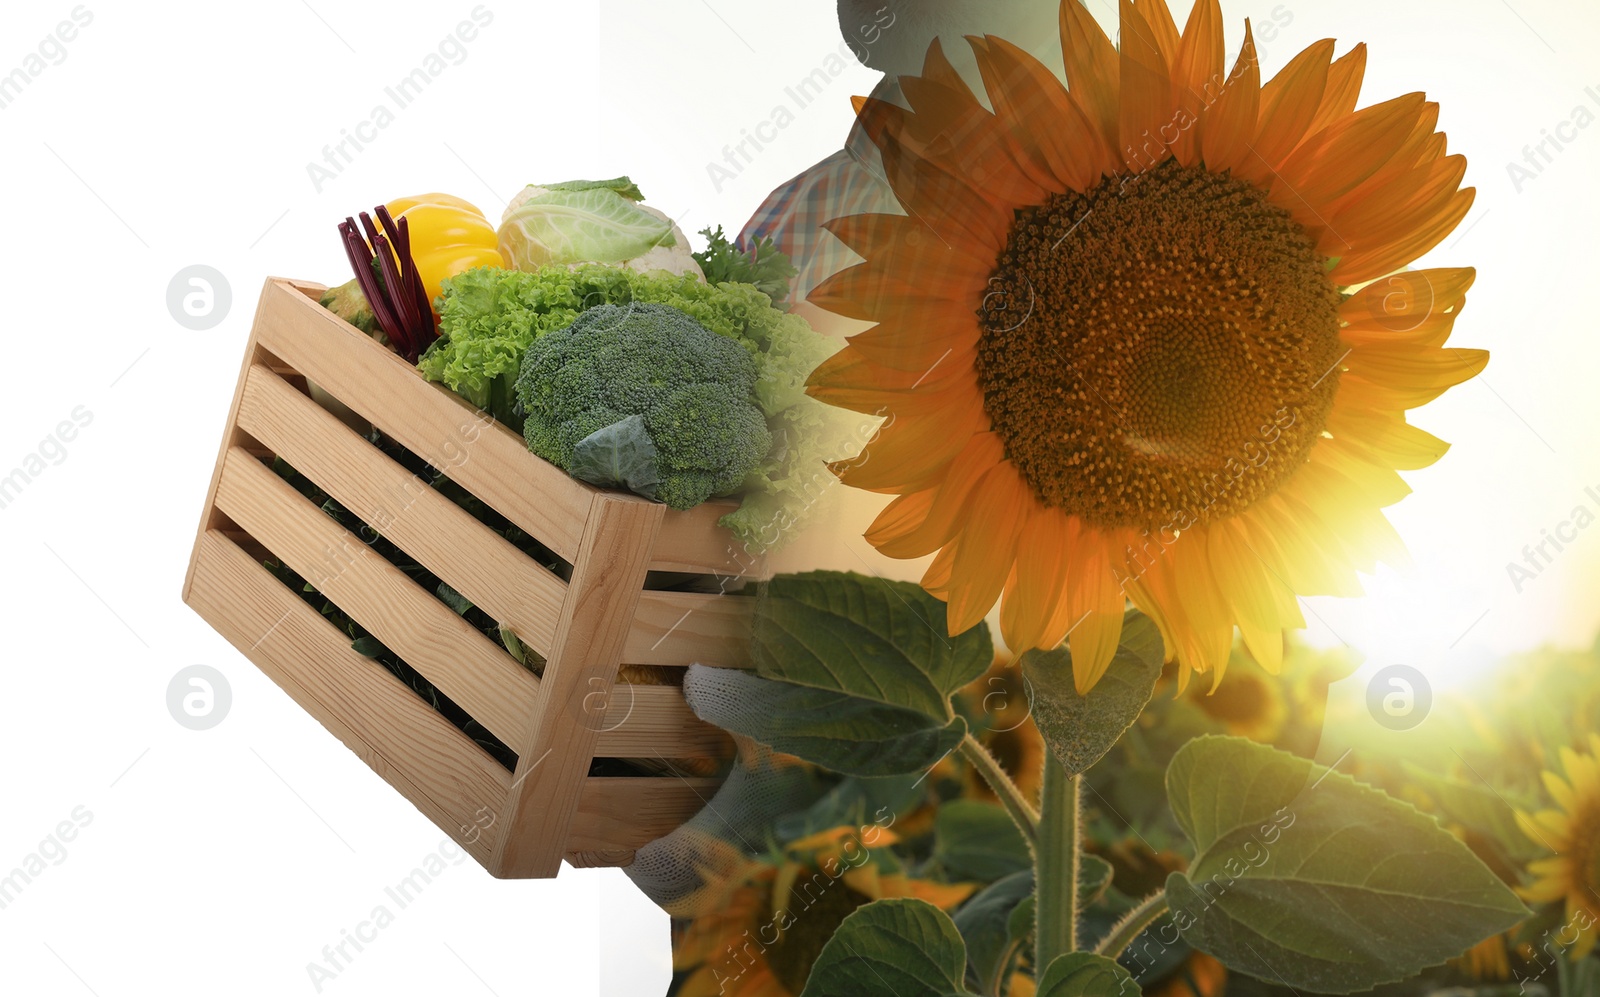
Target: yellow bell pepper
[[448, 236]]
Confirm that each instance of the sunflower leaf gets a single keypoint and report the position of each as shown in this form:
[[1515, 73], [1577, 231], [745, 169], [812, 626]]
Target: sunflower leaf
[[1305, 877], [868, 637], [1481, 808], [843, 733], [1081, 729], [1084, 974], [985, 926], [891, 948], [977, 840]]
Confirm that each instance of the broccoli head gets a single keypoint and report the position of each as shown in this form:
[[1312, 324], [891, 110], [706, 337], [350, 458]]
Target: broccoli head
[[693, 391]]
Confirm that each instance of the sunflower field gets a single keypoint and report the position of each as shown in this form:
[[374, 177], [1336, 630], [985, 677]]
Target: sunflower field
[[896, 850]]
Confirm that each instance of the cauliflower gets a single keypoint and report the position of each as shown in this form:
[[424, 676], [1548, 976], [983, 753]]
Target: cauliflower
[[644, 396]]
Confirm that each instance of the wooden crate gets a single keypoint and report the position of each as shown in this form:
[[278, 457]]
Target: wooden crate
[[521, 823]]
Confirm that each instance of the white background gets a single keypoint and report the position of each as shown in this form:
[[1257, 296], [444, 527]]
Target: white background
[[224, 861]]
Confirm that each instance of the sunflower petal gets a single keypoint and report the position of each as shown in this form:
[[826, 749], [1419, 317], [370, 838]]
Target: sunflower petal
[[1146, 96], [1228, 126], [1340, 157], [1091, 63], [1344, 88], [1364, 266], [1024, 93], [945, 513], [1289, 104], [1093, 643], [1197, 70], [909, 454], [980, 569], [1039, 585]]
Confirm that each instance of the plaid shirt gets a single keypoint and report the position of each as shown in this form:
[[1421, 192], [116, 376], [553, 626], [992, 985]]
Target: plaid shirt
[[849, 182]]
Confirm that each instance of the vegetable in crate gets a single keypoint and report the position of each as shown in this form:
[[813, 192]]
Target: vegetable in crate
[[645, 397], [591, 221], [489, 318], [762, 265], [388, 276], [448, 236]]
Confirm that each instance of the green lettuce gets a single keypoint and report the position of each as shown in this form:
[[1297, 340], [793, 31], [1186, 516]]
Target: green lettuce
[[489, 317]]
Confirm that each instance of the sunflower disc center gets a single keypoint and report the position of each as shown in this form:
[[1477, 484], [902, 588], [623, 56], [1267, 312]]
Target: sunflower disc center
[[1159, 351]]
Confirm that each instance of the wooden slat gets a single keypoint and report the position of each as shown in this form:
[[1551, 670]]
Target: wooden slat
[[443, 537], [231, 437], [653, 721], [309, 288], [431, 763], [465, 665], [691, 540], [686, 628], [553, 761], [629, 813], [485, 457], [535, 495], [601, 860]]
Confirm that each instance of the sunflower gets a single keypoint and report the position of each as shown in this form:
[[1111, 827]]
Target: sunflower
[[1573, 834], [1142, 336], [1252, 705], [760, 924], [1489, 960], [1000, 716]]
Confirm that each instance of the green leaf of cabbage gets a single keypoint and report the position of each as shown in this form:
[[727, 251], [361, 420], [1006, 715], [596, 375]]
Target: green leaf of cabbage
[[573, 226], [1081, 729], [1304, 877], [891, 948], [622, 185], [620, 455]]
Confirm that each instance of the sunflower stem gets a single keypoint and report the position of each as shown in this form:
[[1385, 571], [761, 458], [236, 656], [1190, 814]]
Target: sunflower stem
[[1017, 805], [1057, 860], [1133, 924]]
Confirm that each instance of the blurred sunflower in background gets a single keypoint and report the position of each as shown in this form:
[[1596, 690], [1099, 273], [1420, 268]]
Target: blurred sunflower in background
[[999, 715], [759, 924], [1127, 340], [1572, 833], [1252, 704]]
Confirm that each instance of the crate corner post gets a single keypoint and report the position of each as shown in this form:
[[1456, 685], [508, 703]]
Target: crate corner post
[[602, 599]]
